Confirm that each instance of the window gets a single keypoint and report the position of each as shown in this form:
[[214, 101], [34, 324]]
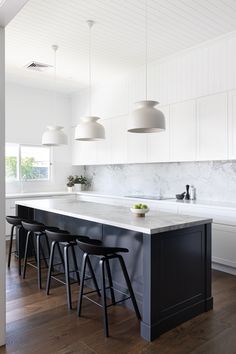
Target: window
[[27, 163]]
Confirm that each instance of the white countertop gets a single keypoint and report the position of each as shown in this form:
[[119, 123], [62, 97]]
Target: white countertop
[[119, 216], [201, 203], [36, 194], [193, 203]]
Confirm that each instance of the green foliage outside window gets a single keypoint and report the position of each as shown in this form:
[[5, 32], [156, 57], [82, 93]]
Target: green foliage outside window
[[11, 167]]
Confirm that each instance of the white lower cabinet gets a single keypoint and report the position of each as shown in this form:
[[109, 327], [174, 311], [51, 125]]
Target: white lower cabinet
[[223, 232], [224, 244]]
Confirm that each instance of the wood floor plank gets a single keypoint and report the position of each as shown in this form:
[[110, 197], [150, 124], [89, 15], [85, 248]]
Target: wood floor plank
[[40, 324]]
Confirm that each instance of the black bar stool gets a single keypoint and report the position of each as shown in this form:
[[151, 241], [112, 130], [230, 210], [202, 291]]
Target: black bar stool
[[15, 223], [64, 239], [105, 254], [37, 229]]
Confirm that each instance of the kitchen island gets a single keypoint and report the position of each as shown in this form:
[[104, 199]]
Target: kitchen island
[[169, 259]]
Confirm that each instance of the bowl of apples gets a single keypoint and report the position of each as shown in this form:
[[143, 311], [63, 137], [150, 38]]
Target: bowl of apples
[[139, 210]]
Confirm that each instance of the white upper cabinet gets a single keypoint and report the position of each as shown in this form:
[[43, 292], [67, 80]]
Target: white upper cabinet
[[110, 99], [136, 147], [183, 131], [212, 127], [104, 146], [84, 152], [232, 125], [119, 139], [158, 144], [136, 88], [136, 142]]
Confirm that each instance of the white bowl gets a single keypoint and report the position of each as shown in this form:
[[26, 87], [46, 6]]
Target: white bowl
[[139, 212]]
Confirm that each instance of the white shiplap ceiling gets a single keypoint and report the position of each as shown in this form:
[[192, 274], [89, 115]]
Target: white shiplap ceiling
[[118, 36]]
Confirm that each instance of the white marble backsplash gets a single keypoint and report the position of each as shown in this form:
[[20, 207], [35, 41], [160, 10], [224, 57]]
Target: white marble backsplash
[[215, 181]]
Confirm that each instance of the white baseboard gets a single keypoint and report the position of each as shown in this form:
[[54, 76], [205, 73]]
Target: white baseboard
[[224, 268]]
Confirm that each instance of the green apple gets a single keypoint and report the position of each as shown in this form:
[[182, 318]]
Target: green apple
[[140, 206]]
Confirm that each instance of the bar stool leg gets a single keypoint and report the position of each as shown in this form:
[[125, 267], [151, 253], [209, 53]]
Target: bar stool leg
[[18, 250], [67, 275], [93, 276], [81, 289], [42, 251], [104, 301], [75, 264], [110, 281], [38, 250], [47, 244], [10, 246], [50, 266], [26, 253], [126, 276], [61, 256]]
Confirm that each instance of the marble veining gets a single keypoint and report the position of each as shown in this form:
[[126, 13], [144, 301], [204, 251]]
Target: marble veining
[[214, 180], [154, 222]]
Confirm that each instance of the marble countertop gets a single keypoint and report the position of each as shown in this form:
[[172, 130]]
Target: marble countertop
[[201, 203], [37, 194], [118, 216]]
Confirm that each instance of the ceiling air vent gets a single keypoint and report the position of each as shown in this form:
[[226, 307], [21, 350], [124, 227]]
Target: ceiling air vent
[[36, 66]]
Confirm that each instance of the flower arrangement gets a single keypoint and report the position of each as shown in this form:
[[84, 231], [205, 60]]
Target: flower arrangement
[[70, 181]]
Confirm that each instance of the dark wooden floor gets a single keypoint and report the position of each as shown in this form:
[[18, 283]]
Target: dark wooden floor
[[40, 324]]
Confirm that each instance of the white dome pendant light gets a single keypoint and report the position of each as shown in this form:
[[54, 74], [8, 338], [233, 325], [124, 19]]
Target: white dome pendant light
[[146, 118], [54, 136], [89, 129]]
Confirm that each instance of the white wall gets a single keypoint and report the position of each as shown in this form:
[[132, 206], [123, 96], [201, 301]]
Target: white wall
[[28, 112], [2, 190]]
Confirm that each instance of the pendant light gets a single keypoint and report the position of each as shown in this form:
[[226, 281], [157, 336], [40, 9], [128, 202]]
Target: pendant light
[[146, 118], [54, 135], [89, 129]]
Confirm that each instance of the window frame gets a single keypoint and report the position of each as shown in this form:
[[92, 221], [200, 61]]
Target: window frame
[[19, 156]]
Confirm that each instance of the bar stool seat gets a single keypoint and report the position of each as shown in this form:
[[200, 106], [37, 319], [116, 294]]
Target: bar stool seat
[[66, 240], [15, 222], [36, 229], [105, 254]]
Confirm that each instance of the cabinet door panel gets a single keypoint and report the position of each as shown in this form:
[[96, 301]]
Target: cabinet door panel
[[136, 148], [158, 144], [119, 141], [212, 124], [224, 244], [110, 99], [183, 131], [232, 125], [83, 152], [104, 146]]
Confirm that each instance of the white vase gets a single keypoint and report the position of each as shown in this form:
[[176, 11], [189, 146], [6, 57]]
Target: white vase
[[70, 189], [79, 187]]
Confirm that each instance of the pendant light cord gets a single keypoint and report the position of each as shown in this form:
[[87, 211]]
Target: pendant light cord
[[55, 48], [90, 24], [55, 81], [146, 48]]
